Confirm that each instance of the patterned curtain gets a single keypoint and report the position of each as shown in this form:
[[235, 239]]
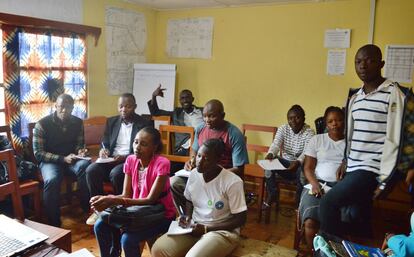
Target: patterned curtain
[[38, 66]]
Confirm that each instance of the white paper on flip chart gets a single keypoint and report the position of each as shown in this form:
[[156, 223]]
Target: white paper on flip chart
[[175, 229], [271, 164], [336, 62], [337, 38]]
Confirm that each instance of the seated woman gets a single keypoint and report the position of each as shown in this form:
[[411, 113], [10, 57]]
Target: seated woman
[[216, 205], [146, 178], [291, 138], [323, 156]]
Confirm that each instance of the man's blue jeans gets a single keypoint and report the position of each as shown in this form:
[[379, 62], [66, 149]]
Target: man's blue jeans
[[270, 179], [355, 189], [52, 174], [110, 239]]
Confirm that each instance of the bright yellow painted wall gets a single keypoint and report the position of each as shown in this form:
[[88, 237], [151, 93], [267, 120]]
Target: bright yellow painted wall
[[99, 101], [267, 58], [395, 23]]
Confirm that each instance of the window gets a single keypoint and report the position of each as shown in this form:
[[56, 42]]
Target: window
[[41, 66], [2, 105]]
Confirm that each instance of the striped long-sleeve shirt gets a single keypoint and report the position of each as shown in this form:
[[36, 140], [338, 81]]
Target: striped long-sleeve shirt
[[292, 144], [369, 114]]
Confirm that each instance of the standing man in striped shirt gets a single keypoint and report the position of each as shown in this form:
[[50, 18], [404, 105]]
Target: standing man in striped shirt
[[373, 136]]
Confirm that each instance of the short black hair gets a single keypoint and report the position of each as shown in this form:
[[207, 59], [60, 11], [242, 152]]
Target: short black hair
[[215, 146], [298, 109], [66, 97], [188, 91], [129, 95], [372, 50], [156, 137], [216, 103], [333, 109]]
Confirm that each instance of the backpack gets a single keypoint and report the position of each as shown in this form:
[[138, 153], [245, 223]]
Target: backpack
[[25, 169]]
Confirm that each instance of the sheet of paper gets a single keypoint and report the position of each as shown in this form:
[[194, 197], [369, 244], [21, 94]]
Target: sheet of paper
[[336, 62], [190, 38], [399, 63], [337, 38], [83, 157], [79, 253], [325, 188], [175, 229], [105, 160], [271, 164], [183, 173]]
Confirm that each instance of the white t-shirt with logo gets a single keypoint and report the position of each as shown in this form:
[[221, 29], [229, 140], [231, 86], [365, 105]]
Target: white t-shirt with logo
[[329, 155], [217, 200]]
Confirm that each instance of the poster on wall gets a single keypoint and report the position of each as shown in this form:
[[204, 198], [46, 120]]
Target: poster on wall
[[336, 62], [399, 63], [337, 38], [126, 37], [190, 38]]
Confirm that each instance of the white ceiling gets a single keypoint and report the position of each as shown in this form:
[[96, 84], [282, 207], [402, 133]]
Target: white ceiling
[[185, 4]]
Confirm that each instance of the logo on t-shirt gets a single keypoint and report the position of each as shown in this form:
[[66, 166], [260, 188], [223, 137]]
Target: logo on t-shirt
[[219, 205]]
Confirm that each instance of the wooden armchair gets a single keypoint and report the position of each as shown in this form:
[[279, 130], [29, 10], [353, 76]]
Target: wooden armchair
[[166, 131], [253, 174], [94, 129], [28, 187], [12, 187]]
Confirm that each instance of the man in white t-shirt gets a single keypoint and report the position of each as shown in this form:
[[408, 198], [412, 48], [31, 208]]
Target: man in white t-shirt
[[216, 205]]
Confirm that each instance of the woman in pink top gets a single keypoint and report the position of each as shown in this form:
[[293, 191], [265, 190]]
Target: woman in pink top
[[146, 180]]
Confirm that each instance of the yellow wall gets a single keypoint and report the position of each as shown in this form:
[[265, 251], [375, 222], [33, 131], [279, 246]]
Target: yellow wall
[[267, 58], [99, 101]]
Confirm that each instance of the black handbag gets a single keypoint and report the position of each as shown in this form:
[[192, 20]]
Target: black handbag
[[136, 217], [133, 218]]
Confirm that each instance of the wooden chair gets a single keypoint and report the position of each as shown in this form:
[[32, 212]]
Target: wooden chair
[[166, 131], [28, 187], [94, 129], [12, 187], [253, 173], [161, 120]]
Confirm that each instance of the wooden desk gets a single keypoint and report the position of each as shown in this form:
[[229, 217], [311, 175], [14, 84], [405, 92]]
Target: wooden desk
[[59, 237]]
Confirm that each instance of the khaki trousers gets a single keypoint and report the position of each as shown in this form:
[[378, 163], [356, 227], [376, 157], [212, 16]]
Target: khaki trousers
[[213, 244]]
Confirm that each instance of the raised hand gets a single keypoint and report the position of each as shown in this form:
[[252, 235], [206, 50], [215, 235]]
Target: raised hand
[[159, 91]]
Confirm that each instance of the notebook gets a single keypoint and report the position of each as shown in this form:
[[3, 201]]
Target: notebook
[[16, 237]]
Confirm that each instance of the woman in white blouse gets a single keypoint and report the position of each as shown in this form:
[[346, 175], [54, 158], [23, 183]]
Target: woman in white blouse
[[323, 157]]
